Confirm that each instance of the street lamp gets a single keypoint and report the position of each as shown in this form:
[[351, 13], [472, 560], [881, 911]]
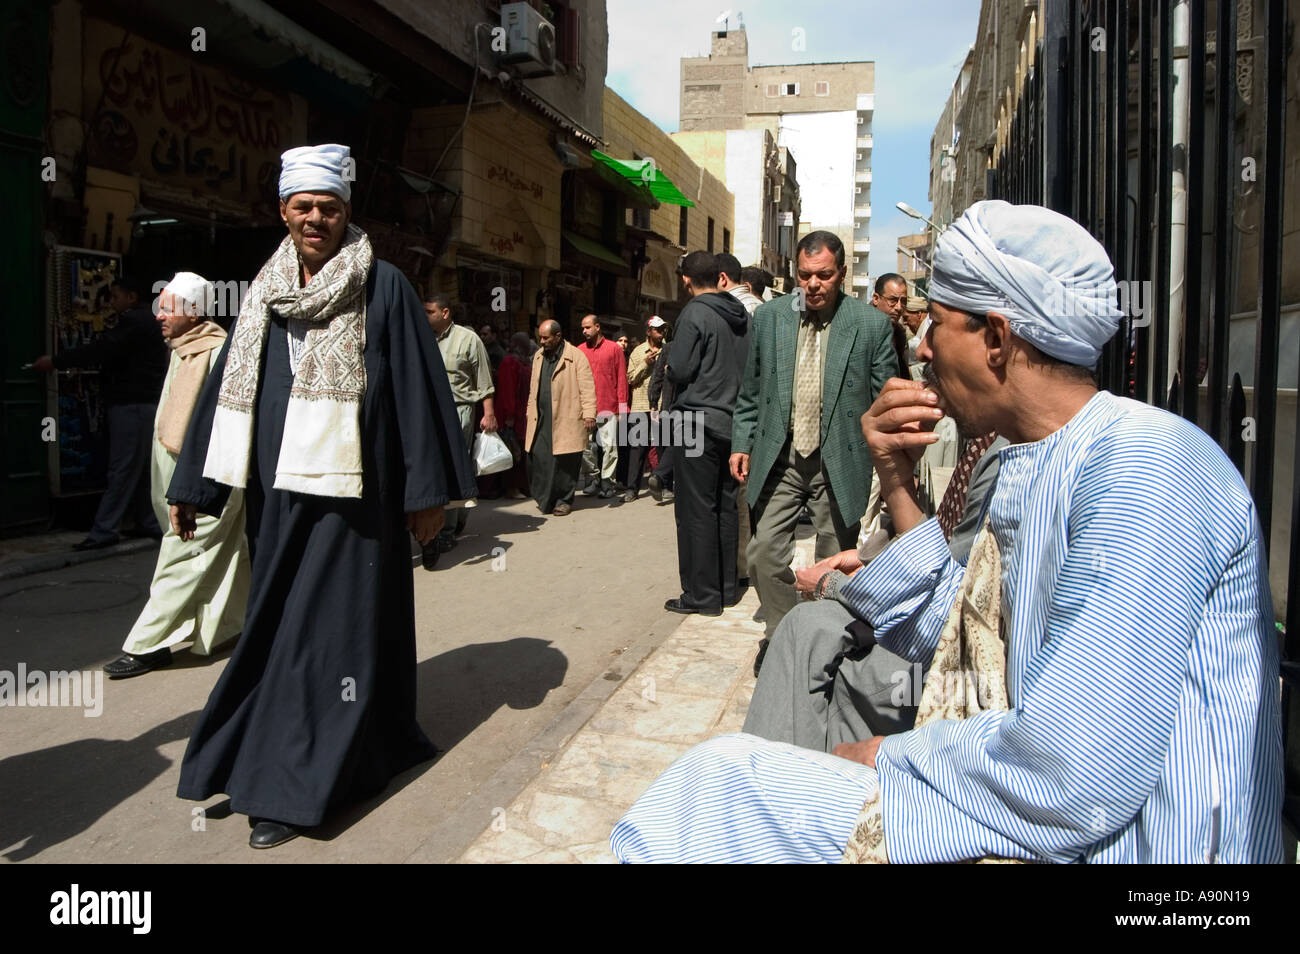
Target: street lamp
[[908, 210]]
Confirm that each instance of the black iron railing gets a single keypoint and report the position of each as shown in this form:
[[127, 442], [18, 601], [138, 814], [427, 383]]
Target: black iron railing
[[1091, 115]]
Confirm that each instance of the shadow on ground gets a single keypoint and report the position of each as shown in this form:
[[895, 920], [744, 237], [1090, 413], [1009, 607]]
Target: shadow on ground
[[458, 691], [54, 794]]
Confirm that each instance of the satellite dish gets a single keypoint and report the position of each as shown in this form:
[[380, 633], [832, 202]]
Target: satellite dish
[[723, 16]]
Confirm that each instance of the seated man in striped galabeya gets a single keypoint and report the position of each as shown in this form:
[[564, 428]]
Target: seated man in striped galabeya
[[1103, 666]]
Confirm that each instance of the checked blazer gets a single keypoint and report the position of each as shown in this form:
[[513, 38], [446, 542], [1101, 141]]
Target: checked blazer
[[859, 359]]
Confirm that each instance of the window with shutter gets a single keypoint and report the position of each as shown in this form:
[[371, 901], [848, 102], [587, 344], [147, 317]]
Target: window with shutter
[[566, 35], [823, 88], [773, 89]]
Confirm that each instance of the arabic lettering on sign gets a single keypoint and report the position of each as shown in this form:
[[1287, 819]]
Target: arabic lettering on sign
[[196, 163], [515, 181], [168, 117], [501, 245]]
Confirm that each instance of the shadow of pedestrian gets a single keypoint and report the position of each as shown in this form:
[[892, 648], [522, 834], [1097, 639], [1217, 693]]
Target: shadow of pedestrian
[[485, 539], [459, 690], [54, 794]]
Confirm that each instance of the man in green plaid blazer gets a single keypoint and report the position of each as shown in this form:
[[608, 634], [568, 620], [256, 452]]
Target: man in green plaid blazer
[[794, 446]]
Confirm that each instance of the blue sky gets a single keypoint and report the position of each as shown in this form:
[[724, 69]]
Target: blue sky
[[917, 45]]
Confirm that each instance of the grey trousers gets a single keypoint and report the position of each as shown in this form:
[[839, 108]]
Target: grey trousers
[[130, 437], [794, 481], [742, 504], [824, 682]]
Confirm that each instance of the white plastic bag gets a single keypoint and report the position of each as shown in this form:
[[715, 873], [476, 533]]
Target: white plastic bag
[[491, 456]]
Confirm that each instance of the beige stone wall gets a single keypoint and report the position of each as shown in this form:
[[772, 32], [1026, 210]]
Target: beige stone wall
[[508, 177], [712, 92], [844, 82]]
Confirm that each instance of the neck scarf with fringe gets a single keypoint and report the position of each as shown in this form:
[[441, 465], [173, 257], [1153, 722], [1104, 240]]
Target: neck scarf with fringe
[[321, 450]]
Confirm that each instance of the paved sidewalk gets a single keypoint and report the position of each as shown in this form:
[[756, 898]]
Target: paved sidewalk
[[695, 686], [42, 552]]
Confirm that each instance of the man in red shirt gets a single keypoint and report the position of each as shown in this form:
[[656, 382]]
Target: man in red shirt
[[609, 368], [513, 376]]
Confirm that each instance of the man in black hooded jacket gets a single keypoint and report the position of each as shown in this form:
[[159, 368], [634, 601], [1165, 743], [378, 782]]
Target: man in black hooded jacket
[[706, 363]]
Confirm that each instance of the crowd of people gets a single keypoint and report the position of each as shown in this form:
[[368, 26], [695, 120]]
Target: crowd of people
[[950, 680]]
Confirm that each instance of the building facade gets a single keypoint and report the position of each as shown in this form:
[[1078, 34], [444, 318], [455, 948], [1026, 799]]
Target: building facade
[[761, 176], [914, 261], [664, 233], [820, 112], [155, 145]]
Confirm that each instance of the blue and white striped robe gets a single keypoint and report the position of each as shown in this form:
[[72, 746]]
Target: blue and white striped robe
[[1145, 720], [1142, 663]]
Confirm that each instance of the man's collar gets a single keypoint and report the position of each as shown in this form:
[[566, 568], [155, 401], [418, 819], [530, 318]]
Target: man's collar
[[824, 319]]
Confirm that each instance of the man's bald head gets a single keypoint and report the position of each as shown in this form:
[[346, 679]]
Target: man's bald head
[[549, 336]]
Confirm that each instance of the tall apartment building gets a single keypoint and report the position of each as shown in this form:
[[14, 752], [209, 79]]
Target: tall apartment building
[[820, 112]]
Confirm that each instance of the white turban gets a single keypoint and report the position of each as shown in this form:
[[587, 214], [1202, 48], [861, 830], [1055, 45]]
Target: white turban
[[1051, 280], [193, 289], [325, 168]]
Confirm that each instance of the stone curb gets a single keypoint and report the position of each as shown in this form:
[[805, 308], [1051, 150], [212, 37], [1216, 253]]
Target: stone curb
[[455, 833], [44, 562]]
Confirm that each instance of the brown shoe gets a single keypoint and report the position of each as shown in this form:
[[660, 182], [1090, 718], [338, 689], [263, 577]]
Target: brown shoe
[[562, 510]]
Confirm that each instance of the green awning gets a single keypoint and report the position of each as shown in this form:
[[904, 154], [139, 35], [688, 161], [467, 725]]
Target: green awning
[[593, 249], [643, 172]]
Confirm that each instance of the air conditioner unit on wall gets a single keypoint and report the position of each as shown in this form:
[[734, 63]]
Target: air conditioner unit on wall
[[530, 40]]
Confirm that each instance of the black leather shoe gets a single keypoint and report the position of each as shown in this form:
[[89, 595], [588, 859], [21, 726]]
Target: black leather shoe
[[429, 554], [607, 490], [758, 660], [677, 606], [656, 487], [129, 664], [89, 544], [269, 834]]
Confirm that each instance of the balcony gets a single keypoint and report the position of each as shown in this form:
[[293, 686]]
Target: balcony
[[861, 248], [864, 142], [866, 102], [862, 211], [862, 176], [861, 279]]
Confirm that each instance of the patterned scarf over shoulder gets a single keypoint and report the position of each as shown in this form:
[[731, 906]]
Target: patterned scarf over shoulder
[[321, 449], [967, 676]]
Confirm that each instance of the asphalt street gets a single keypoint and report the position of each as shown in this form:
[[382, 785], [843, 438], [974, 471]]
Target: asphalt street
[[513, 625]]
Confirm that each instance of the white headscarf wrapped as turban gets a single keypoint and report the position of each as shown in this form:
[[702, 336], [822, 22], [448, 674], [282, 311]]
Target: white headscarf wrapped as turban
[[193, 289], [1051, 280], [324, 168]]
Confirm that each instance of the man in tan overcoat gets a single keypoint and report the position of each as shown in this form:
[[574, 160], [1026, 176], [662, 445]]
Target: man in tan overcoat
[[561, 417]]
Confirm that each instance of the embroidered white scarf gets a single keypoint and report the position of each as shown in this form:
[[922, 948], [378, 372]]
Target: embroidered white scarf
[[321, 449]]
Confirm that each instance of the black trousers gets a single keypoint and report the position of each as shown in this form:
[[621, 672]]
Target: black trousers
[[708, 528], [632, 455]]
